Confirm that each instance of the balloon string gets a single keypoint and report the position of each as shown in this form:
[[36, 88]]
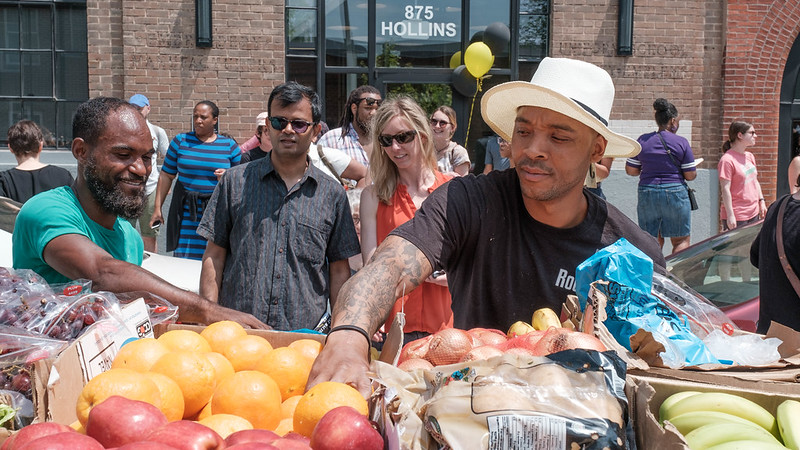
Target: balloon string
[[472, 108]]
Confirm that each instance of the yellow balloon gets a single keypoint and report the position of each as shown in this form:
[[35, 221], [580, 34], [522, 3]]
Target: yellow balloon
[[478, 59], [455, 60]]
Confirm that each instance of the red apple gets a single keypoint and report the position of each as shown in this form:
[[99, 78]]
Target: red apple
[[255, 435], [33, 432], [118, 421], [252, 446], [290, 444], [187, 435], [68, 440], [344, 428], [297, 437], [146, 445]]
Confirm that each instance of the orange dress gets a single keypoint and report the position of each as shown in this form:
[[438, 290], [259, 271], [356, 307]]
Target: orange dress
[[427, 308]]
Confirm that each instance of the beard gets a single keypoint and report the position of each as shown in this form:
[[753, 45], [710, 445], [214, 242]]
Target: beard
[[110, 196], [363, 125]]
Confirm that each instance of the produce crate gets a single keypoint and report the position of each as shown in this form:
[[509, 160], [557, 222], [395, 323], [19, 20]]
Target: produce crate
[[647, 393], [275, 338]]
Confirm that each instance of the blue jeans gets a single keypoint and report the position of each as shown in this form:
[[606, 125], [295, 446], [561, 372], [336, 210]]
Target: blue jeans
[[665, 210]]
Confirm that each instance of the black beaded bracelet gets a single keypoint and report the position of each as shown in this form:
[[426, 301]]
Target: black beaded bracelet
[[351, 328]]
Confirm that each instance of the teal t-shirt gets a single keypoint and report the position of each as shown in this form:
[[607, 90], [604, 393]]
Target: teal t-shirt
[[57, 212]]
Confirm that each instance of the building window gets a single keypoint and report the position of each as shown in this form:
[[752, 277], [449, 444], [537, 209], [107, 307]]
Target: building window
[[43, 66]]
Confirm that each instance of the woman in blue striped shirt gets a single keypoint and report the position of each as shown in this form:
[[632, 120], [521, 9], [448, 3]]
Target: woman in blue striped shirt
[[198, 159]]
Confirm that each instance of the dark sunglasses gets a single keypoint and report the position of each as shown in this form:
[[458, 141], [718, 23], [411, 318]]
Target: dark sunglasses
[[439, 123], [370, 101], [299, 126], [402, 138]]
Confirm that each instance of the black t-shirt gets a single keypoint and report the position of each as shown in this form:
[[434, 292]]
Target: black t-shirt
[[779, 301], [253, 154], [21, 185], [502, 264]]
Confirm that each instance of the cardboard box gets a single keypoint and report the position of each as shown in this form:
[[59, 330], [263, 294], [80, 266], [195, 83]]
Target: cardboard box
[[57, 383], [647, 393]]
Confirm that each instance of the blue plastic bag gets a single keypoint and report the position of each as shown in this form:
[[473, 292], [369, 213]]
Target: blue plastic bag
[[631, 306]]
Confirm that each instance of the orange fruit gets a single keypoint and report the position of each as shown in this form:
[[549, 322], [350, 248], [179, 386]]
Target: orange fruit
[[184, 340], [244, 352], [205, 412], [222, 367], [308, 347], [284, 427], [219, 334], [139, 355], [289, 368], [249, 394], [322, 398], [225, 424], [195, 375], [289, 405], [124, 382], [171, 395]]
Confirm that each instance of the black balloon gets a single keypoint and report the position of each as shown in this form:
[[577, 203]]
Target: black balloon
[[477, 37], [464, 82], [497, 36]]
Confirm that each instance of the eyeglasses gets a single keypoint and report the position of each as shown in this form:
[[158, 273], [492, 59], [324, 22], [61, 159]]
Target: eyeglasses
[[402, 138], [439, 123], [370, 101], [299, 126]]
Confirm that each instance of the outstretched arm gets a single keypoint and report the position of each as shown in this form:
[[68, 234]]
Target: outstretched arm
[[365, 301], [75, 256]]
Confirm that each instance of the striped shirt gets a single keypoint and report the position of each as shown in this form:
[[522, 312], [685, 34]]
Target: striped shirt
[[348, 144], [194, 162], [279, 242]]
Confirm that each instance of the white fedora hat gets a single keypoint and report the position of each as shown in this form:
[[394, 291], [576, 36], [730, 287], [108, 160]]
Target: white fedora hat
[[577, 89]]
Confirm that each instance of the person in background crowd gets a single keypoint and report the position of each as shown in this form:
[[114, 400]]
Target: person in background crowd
[[263, 145], [450, 157], [742, 200], [31, 176], [779, 300], [665, 162], [279, 231], [507, 240], [354, 198], [353, 136], [160, 143], [494, 158], [255, 141], [323, 129], [81, 231], [404, 173], [794, 172], [197, 159], [597, 173]]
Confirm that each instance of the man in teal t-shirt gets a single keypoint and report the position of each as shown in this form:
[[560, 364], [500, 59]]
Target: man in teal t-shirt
[[79, 232], [57, 212]]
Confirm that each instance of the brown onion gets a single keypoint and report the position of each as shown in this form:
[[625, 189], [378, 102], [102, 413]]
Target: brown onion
[[415, 363], [448, 346], [482, 352], [414, 349]]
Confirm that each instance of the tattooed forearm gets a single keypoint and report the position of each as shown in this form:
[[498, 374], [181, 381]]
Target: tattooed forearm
[[397, 267]]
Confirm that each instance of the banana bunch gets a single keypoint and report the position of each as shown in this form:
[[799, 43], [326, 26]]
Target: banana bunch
[[720, 421], [542, 319]]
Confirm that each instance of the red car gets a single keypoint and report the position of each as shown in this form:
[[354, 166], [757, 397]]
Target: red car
[[719, 269]]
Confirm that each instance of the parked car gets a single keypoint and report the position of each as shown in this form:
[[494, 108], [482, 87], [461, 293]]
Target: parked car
[[183, 273], [719, 268]]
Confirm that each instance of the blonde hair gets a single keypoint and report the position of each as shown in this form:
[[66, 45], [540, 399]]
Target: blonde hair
[[382, 170]]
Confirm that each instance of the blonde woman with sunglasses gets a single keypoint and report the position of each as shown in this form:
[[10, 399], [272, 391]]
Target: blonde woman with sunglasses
[[404, 172], [451, 158]]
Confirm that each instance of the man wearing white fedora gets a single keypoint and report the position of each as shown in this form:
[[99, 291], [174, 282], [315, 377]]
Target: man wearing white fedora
[[509, 241]]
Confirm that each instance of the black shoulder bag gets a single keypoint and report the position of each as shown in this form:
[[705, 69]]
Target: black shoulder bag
[[690, 191]]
